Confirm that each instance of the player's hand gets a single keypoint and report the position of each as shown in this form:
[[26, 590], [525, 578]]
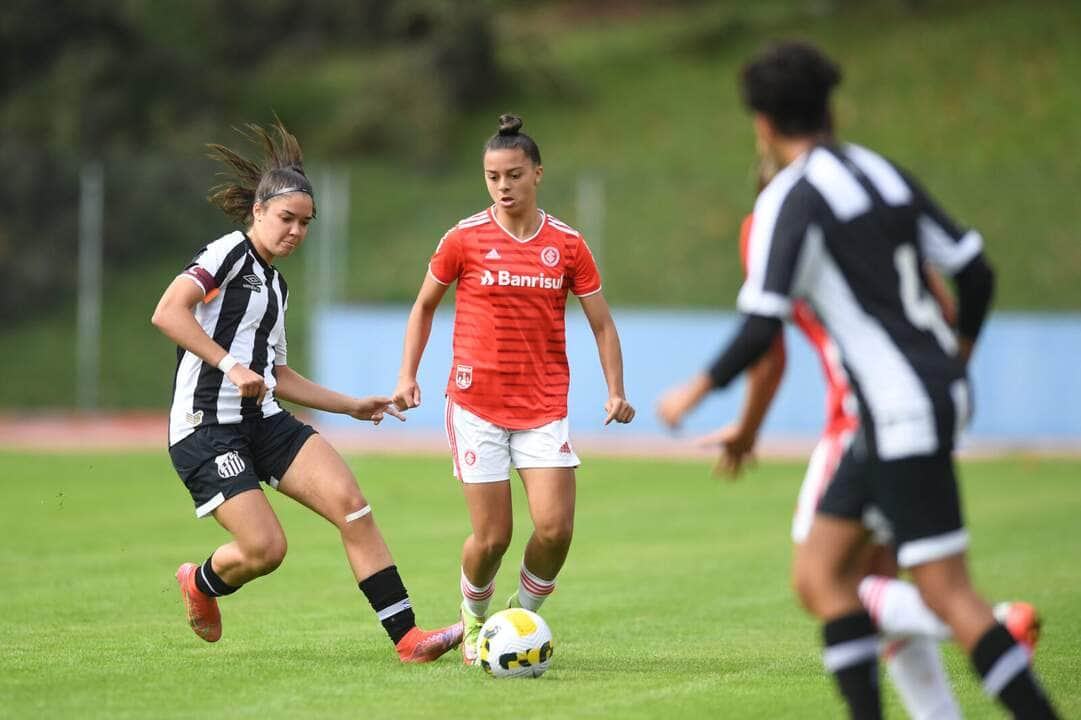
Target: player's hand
[[407, 394], [677, 402], [375, 408], [618, 409], [250, 383], [737, 449]]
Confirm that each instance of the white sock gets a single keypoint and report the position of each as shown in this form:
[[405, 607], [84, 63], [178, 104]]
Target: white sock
[[533, 590], [897, 609], [915, 667], [476, 599]]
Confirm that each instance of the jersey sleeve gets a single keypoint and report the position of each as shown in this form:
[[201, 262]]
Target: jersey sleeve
[[775, 245], [944, 243], [215, 265], [585, 278], [447, 260]]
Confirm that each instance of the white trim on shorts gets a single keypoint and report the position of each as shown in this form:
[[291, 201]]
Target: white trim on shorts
[[820, 471], [209, 506], [483, 452], [929, 549]]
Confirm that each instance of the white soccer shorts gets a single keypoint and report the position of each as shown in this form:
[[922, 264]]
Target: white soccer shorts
[[484, 452], [820, 470]]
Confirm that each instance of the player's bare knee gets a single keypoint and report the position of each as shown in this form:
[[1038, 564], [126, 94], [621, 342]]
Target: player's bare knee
[[556, 534], [267, 556], [493, 544], [353, 511], [804, 586]]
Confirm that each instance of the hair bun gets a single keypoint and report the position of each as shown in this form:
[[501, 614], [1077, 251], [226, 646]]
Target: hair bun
[[509, 124]]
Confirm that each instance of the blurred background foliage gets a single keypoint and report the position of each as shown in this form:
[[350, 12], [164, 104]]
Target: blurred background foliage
[[977, 98]]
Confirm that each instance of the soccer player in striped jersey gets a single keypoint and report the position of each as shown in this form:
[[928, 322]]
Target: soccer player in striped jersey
[[507, 393], [844, 230], [227, 432], [912, 632]]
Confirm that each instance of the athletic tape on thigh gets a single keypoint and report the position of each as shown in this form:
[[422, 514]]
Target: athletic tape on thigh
[[358, 514]]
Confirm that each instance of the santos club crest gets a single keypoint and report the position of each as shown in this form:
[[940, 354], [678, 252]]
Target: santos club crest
[[230, 464], [463, 376]]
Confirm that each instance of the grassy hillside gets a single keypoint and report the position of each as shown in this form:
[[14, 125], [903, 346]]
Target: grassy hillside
[[973, 97]]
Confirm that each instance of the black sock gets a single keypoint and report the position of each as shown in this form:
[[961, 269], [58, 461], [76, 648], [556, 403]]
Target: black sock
[[209, 583], [852, 656], [1003, 665], [388, 598]]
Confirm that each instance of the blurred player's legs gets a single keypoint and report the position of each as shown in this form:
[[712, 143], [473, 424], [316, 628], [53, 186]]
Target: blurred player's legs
[[917, 671]]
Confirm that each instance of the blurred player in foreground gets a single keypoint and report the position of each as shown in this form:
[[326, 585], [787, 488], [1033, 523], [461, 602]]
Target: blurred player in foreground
[[507, 392], [845, 231], [227, 432], [911, 632]]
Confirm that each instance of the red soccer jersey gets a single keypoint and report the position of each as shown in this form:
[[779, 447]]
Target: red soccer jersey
[[840, 403], [510, 349]]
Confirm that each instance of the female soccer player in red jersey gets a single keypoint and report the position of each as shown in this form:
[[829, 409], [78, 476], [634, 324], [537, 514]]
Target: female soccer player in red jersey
[[507, 393], [227, 434]]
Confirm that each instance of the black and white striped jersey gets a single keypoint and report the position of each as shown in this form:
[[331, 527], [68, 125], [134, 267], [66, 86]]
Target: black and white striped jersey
[[243, 310], [845, 230]]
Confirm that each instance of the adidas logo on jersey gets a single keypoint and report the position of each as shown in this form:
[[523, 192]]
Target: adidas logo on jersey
[[504, 278], [493, 254], [566, 448]]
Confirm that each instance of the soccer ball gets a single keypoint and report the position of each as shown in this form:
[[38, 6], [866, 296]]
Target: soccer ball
[[515, 643]]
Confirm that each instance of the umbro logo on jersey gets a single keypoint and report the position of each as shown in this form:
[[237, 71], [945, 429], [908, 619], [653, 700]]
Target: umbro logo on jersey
[[493, 254], [253, 282], [230, 464]]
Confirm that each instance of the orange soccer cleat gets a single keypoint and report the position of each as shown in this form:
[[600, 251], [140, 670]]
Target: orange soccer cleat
[[1023, 622], [421, 646], [203, 614]]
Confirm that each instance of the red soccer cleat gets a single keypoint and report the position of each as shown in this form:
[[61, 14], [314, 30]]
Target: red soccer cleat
[[421, 646], [1023, 622], [203, 614]]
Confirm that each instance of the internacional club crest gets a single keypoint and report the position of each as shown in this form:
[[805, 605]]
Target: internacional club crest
[[549, 256], [463, 376]]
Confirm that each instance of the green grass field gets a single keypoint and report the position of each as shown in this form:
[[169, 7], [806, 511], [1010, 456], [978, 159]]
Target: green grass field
[[674, 602]]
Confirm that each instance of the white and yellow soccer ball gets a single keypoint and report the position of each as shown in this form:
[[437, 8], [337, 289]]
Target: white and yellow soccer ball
[[515, 643]]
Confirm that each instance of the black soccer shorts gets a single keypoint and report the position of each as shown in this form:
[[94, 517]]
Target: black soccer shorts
[[217, 462], [916, 497]]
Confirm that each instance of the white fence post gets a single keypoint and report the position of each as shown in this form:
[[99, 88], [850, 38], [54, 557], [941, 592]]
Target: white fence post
[[88, 311]]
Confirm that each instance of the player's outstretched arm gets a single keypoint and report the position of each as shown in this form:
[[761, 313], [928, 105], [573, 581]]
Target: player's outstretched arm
[[294, 387], [417, 329], [737, 440], [173, 317], [611, 353]]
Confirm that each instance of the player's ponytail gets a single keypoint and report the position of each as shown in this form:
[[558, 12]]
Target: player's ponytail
[[280, 171], [510, 136]]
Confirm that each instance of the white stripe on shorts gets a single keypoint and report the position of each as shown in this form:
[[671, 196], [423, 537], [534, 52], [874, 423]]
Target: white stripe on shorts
[[917, 552], [209, 506]]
